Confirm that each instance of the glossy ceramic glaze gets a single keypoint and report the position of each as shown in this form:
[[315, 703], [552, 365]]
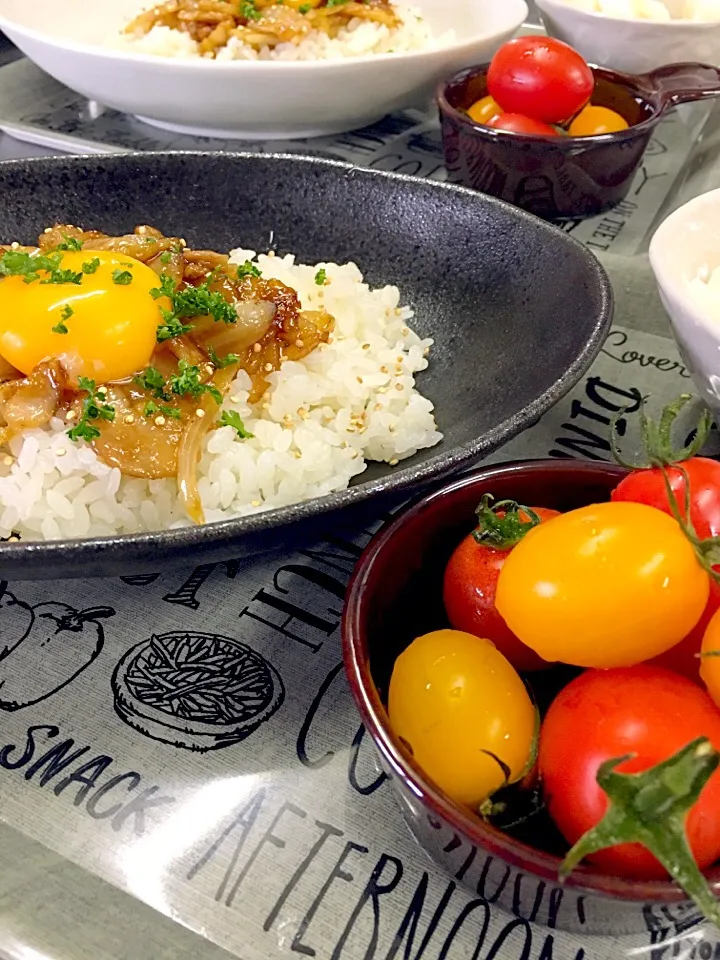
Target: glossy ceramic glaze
[[483, 277], [633, 46], [396, 595], [561, 178], [686, 244], [244, 99]]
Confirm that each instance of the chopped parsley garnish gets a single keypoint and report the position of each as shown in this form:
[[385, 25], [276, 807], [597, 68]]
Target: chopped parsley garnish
[[122, 277], [335, 3], [305, 8], [93, 408], [321, 277], [63, 276], [229, 418], [17, 263], [151, 408], [221, 362], [203, 302], [165, 257], [247, 9], [152, 380], [60, 327], [166, 288], [170, 327], [149, 239], [187, 381], [198, 301], [247, 269], [70, 243], [90, 266]]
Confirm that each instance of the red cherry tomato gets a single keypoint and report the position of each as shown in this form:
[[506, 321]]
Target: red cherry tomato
[[469, 587], [684, 657], [541, 78], [516, 123], [605, 714], [648, 486]]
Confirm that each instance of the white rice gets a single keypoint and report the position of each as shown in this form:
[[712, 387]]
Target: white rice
[[349, 401], [358, 39]]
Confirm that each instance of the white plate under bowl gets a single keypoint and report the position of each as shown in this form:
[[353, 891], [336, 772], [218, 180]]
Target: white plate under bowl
[[248, 99]]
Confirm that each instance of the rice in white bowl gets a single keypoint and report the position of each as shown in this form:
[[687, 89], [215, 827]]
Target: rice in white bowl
[[358, 39], [351, 400]]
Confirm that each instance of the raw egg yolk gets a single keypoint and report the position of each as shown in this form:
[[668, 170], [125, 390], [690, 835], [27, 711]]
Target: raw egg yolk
[[102, 327]]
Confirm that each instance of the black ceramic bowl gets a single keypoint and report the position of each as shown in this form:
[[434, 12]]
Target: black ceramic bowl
[[562, 178], [396, 595], [486, 280]]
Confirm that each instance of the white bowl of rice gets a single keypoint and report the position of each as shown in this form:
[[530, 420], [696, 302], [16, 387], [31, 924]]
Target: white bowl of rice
[[636, 36], [318, 82]]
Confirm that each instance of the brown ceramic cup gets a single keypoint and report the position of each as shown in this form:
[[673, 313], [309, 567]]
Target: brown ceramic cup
[[565, 178], [394, 596]]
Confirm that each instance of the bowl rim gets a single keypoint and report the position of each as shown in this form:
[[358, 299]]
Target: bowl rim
[[562, 144], [374, 715], [668, 280], [690, 25], [84, 551], [460, 46]]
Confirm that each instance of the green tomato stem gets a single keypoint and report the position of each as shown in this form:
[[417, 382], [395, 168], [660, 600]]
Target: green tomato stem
[[651, 808]]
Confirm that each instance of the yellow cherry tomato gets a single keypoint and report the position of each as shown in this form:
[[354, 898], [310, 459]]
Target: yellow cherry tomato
[[593, 121], [710, 658], [609, 585], [483, 111], [459, 707]]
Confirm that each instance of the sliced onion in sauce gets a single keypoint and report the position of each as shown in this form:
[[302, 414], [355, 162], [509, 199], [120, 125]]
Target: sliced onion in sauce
[[254, 318]]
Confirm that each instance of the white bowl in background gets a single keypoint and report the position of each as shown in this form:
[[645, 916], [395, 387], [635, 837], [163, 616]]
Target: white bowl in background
[[631, 46], [684, 247], [249, 99]]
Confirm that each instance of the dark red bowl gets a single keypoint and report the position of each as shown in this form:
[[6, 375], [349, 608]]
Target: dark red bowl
[[561, 178], [396, 595]]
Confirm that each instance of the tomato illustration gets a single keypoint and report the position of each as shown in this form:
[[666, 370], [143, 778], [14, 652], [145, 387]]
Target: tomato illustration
[[61, 644]]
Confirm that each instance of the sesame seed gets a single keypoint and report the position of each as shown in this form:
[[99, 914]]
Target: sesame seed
[[70, 415], [382, 390], [234, 399], [399, 386], [287, 419], [268, 368], [255, 503], [13, 539], [14, 245], [299, 342], [394, 462], [378, 406], [256, 348], [209, 369], [271, 253], [359, 379], [344, 445], [129, 418], [60, 452], [405, 331], [384, 369], [366, 346], [182, 243], [266, 405], [392, 428], [9, 461], [199, 413], [426, 352], [399, 359], [46, 230], [160, 421], [102, 391], [302, 412]]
